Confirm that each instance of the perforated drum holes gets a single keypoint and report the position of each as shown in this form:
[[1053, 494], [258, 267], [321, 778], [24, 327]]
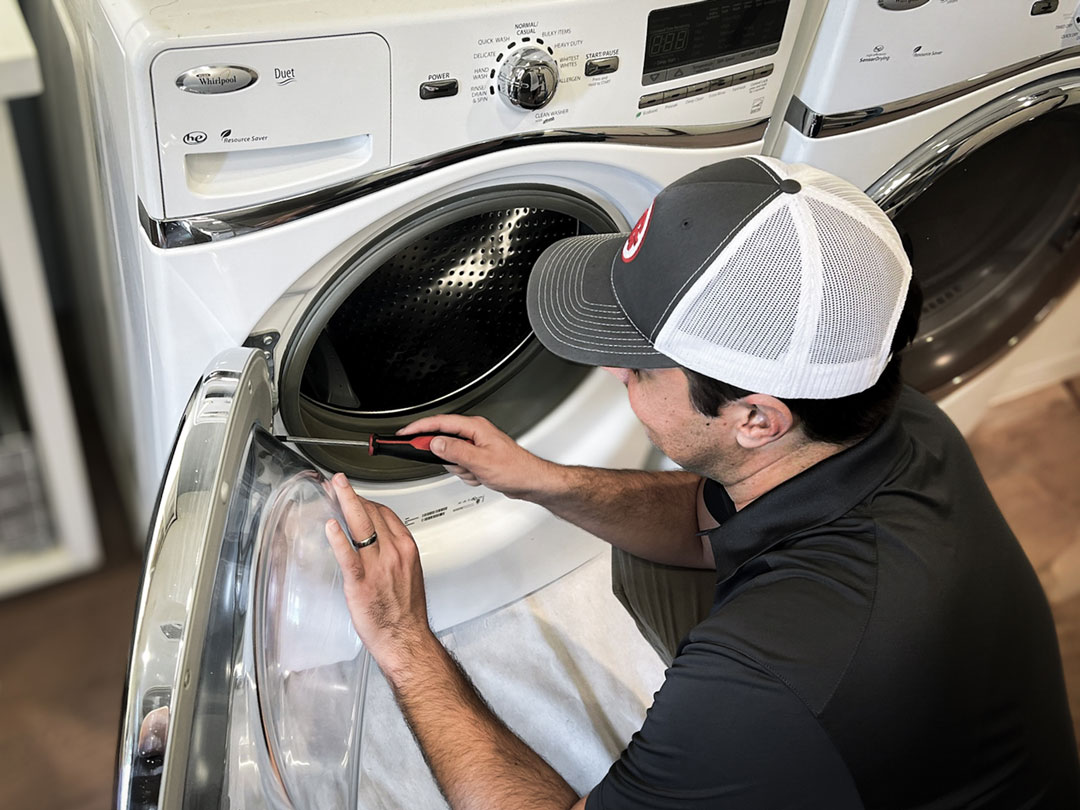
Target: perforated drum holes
[[430, 317], [440, 315]]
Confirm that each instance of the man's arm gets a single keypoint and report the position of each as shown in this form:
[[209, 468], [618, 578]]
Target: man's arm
[[649, 514], [476, 760]]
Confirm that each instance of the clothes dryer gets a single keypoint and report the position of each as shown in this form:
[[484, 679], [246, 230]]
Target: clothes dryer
[[960, 119], [321, 216]]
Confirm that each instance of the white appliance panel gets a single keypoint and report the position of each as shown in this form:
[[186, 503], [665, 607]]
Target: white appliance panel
[[869, 55], [316, 112]]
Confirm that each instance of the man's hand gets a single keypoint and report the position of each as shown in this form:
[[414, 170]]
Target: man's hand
[[384, 586], [476, 759], [485, 455]]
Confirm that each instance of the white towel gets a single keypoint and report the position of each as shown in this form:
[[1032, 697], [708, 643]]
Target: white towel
[[565, 668]]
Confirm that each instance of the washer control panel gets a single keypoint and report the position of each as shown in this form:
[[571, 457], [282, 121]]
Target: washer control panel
[[270, 115], [534, 67]]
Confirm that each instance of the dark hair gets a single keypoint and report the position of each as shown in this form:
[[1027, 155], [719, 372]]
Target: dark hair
[[843, 420]]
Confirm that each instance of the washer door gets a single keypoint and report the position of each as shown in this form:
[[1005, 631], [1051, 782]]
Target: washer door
[[989, 210], [246, 679], [430, 317]]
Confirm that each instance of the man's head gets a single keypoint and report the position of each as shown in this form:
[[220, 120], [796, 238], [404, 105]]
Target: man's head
[[771, 279]]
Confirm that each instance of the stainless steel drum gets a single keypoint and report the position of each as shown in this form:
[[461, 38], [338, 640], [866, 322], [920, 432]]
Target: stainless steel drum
[[431, 318]]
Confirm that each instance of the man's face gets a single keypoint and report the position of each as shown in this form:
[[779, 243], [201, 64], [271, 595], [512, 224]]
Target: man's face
[[661, 400]]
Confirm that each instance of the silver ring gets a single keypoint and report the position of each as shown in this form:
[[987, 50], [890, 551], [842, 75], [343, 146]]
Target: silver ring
[[367, 541]]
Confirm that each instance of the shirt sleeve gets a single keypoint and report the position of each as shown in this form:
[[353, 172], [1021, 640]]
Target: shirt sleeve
[[725, 733]]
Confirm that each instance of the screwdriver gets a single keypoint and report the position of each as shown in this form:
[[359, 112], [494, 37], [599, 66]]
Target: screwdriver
[[414, 447]]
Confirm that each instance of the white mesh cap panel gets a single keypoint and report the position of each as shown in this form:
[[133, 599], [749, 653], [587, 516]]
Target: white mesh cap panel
[[803, 302], [855, 202], [861, 283], [750, 304]]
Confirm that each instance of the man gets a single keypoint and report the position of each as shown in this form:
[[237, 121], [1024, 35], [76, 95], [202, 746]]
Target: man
[[876, 636]]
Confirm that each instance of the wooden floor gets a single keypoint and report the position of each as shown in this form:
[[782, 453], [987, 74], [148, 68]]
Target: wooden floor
[[63, 650]]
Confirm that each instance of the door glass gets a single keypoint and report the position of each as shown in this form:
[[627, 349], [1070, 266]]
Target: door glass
[[309, 667], [278, 714]]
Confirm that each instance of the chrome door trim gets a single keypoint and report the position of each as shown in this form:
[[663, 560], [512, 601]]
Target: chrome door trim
[[915, 173], [182, 559], [813, 124], [184, 231]]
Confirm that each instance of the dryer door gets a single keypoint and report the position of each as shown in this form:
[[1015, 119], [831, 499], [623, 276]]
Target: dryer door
[[989, 209], [246, 679]]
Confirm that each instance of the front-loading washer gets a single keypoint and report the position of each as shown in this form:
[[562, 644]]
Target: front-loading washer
[[960, 120], [321, 216]]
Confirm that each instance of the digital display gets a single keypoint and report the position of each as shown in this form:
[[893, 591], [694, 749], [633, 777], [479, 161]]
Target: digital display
[[668, 40], [711, 34]]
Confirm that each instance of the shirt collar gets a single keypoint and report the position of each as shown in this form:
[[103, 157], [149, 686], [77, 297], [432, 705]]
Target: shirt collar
[[816, 496]]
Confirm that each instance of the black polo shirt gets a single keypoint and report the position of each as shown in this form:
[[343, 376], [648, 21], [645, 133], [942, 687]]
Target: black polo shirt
[[878, 640]]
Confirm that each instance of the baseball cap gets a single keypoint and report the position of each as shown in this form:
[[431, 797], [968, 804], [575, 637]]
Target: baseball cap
[[780, 279]]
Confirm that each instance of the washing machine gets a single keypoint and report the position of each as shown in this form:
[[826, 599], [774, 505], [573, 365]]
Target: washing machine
[[320, 217], [959, 118]]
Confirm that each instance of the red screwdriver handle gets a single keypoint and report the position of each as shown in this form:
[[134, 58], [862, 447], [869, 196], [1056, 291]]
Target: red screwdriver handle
[[414, 447]]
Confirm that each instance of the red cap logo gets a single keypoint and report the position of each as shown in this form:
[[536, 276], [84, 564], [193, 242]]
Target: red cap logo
[[637, 236]]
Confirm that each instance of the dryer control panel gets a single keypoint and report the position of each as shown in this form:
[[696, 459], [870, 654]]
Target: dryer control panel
[[266, 116], [872, 53]]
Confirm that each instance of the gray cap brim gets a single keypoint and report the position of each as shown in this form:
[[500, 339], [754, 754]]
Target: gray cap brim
[[573, 310]]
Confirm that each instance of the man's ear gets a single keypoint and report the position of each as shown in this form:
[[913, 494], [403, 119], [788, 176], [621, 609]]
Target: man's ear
[[763, 419]]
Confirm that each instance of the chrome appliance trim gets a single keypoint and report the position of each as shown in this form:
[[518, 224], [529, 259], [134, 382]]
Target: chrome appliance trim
[[913, 175], [184, 231], [813, 124], [181, 564]]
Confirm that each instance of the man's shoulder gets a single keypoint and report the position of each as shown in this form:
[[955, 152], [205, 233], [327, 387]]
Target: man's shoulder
[[795, 618], [924, 420]]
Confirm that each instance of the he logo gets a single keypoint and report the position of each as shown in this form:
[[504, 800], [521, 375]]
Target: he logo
[[637, 236], [193, 138]]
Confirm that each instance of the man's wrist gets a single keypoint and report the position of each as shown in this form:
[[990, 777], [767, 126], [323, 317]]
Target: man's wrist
[[550, 484], [403, 652]]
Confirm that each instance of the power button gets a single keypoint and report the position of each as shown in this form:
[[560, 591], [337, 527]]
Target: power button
[[442, 88]]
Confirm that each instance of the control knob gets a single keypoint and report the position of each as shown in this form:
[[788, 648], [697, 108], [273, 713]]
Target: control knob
[[528, 78]]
